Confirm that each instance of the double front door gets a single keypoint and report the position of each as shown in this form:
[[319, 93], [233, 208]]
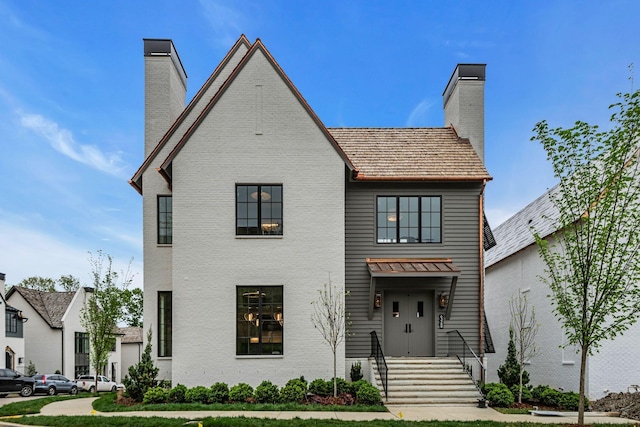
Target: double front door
[[408, 324]]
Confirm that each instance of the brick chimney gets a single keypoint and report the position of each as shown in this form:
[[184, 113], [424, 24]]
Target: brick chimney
[[464, 104], [165, 89]]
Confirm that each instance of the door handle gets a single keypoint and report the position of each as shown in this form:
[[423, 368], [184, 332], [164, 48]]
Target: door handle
[[409, 327], [405, 328]]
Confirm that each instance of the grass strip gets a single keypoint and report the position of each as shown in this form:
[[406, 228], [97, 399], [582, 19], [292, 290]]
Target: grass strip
[[31, 406], [106, 403]]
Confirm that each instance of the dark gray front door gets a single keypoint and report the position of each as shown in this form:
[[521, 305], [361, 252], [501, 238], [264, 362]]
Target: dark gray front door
[[408, 327]]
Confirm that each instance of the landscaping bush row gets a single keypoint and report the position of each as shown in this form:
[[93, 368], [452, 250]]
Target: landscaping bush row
[[295, 391], [499, 395]]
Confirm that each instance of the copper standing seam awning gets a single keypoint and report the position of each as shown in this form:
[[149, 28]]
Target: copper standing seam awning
[[412, 267]]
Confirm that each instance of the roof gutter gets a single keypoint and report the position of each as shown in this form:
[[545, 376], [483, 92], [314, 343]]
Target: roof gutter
[[359, 176]]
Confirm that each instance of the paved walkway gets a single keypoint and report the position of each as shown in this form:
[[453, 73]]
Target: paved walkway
[[409, 413]]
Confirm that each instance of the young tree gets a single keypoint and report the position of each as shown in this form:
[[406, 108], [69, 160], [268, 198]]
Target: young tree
[[142, 376], [102, 309], [330, 318], [510, 371], [525, 329], [592, 262]]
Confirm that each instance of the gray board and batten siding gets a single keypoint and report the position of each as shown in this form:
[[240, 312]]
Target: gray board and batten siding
[[460, 243]]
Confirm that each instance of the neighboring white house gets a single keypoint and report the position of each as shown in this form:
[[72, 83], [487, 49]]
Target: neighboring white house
[[12, 323], [131, 348], [250, 205], [54, 337], [514, 266]]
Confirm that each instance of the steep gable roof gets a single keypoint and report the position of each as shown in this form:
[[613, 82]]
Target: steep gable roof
[[516, 233], [136, 180], [131, 334], [165, 168], [410, 154], [51, 306]]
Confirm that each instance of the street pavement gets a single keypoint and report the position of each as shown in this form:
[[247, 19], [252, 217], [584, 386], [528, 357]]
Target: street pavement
[[408, 413]]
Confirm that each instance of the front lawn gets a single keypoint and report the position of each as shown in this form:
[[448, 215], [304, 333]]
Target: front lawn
[[31, 406]]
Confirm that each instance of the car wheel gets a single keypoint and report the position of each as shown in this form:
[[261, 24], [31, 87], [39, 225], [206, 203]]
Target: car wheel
[[51, 391], [26, 391], [73, 391], [92, 389], [113, 388]]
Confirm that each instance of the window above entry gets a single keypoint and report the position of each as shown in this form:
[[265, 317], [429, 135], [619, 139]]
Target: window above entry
[[409, 219], [259, 210]]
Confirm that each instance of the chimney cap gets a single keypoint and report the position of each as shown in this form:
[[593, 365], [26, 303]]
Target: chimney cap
[[464, 72], [165, 47]]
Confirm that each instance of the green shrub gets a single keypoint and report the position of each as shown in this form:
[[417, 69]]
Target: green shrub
[[368, 394], [486, 388], [198, 394], [321, 387], [240, 392], [156, 395], [551, 397], [536, 392], [355, 386], [294, 391], [509, 372], [142, 375], [526, 393], [570, 401], [343, 386], [177, 394], [267, 392], [356, 371], [500, 396], [219, 393]]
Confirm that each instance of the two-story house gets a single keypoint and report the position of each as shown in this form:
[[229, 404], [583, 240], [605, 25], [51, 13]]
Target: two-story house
[[251, 204], [13, 339]]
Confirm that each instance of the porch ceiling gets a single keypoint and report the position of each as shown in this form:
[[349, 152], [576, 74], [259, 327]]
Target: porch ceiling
[[412, 267]]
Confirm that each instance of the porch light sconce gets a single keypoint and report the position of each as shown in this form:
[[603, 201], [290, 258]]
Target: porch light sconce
[[377, 300], [21, 317], [442, 300]]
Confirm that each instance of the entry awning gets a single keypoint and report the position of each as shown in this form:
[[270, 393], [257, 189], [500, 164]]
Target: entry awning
[[412, 267]]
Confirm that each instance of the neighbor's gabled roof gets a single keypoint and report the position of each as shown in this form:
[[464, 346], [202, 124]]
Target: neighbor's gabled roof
[[410, 154], [516, 233], [136, 180], [51, 306]]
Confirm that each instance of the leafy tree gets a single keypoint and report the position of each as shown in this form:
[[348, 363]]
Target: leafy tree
[[102, 309], [132, 306], [330, 318], [142, 376], [592, 262], [525, 329], [509, 372], [68, 283], [46, 284]]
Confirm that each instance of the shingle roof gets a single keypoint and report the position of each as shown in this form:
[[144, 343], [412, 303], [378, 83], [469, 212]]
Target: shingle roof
[[516, 233], [131, 334], [429, 154], [51, 306]]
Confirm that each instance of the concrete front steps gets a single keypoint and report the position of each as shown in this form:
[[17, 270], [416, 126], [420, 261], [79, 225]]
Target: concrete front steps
[[427, 381]]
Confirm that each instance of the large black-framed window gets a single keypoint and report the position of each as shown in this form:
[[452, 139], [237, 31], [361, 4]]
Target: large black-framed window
[[259, 320], [13, 325], [409, 219], [165, 220], [165, 315], [259, 209], [81, 354]]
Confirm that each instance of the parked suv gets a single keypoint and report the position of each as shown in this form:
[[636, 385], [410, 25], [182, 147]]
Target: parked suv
[[53, 384], [14, 382], [88, 383]]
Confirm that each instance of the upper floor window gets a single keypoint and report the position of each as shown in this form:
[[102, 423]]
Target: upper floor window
[[414, 219], [258, 209], [259, 320], [165, 220], [13, 324]]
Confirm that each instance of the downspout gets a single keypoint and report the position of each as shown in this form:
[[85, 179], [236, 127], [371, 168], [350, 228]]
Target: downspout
[[481, 271], [62, 334]]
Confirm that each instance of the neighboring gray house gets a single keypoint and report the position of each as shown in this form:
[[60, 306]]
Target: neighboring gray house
[[514, 266], [54, 338], [250, 205]]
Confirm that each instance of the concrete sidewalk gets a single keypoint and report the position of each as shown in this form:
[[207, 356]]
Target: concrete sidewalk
[[408, 413]]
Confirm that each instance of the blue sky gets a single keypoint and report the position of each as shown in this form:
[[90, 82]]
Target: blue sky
[[71, 95]]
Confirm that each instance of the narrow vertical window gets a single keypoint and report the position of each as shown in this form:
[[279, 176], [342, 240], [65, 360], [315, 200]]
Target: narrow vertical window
[[164, 323], [165, 220], [81, 354]]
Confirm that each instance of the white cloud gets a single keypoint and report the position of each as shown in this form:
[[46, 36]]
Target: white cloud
[[419, 114], [62, 140]]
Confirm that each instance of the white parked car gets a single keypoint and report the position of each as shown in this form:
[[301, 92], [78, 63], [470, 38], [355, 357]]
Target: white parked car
[[88, 383]]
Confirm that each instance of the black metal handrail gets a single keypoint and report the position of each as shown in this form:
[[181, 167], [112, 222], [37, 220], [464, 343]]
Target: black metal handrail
[[459, 347], [381, 364]]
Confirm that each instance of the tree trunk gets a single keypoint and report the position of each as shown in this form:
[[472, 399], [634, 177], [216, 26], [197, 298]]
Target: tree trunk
[[335, 378], [520, 388], [583, 371]]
